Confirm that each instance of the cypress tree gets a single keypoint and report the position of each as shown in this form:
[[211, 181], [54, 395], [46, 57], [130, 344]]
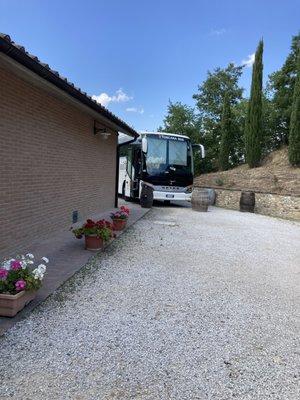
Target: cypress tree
[[294, 135], [253, 126], [226, 131]]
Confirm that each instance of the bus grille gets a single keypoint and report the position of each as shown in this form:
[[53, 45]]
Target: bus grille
[[169, 189]]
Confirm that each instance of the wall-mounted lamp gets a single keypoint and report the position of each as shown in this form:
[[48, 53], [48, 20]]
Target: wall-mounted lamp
[[102, 131]]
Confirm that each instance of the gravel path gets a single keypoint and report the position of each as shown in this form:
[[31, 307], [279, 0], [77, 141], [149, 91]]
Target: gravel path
[[183, 306]]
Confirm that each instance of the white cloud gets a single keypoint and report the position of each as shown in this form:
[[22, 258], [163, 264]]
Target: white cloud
[[103, 99], [217, 32], [119, 97], [248, 62], [135, 110]]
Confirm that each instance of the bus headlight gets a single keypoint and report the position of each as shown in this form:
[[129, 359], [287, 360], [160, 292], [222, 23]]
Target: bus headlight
[[189, 189]]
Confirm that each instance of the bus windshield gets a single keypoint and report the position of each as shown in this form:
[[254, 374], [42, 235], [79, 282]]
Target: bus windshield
[[164, 152], [178, 153]]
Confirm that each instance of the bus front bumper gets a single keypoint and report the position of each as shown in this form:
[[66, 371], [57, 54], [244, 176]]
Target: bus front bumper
[[175, 196]]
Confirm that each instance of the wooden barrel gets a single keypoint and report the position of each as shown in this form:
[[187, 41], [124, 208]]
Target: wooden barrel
[[247, 201], [212, 196], [200, 199]]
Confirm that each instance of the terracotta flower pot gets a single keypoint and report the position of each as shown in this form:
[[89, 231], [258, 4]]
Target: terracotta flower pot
[[119, 224], [93, 243], [11, 304]]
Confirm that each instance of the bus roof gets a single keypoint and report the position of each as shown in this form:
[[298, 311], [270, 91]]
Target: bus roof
[[123, 139], [163, 133]]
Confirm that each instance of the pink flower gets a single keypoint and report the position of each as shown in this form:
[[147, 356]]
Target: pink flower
[[3, 274], [15, 265], [20, 285]]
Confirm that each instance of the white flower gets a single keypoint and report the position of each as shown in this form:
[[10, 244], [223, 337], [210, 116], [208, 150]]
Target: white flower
[[26, 260], [29, 255], [42, 268], [45, 259], [38, 274], [6, 264]]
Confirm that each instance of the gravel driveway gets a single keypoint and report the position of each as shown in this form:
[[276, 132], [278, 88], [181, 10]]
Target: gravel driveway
[[183, 306]]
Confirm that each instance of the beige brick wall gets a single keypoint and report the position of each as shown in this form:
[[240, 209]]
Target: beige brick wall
[[51, 163]]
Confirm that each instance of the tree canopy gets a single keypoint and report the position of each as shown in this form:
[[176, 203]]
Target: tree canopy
[[209, 103], [181, 118], [280, 90], [258, 125]]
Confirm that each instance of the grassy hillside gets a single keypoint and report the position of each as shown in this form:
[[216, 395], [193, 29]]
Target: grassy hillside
[[275, 175]]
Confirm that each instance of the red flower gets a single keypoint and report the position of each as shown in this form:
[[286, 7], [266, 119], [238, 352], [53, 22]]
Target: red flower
[[89, 224], [125, 209], [101, 223]]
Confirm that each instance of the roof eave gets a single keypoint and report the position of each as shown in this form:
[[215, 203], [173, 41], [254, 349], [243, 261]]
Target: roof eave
[[19, 54]]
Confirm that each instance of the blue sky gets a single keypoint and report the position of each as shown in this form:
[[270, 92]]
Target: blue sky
[[135, 55]]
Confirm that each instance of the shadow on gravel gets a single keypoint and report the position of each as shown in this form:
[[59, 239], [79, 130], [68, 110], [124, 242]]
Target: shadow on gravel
[[165, 204]]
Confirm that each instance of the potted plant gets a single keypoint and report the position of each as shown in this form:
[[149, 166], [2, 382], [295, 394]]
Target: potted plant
[[120, 218], [96, 233], [19, 283]]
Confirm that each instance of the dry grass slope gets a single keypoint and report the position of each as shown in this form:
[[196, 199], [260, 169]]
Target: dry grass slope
[[275, 175]]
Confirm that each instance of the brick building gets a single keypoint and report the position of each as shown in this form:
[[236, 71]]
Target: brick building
[[57, 150]]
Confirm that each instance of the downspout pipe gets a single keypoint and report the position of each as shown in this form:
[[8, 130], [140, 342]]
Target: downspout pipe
[[118, 166]]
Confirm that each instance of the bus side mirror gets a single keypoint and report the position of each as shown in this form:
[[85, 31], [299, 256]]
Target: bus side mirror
[[200, 149], [144, 145]]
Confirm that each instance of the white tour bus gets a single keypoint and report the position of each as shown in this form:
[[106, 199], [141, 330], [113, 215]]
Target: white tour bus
[[157, 166]]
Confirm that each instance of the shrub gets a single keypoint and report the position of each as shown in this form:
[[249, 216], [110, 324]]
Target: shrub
[[219, 181]]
